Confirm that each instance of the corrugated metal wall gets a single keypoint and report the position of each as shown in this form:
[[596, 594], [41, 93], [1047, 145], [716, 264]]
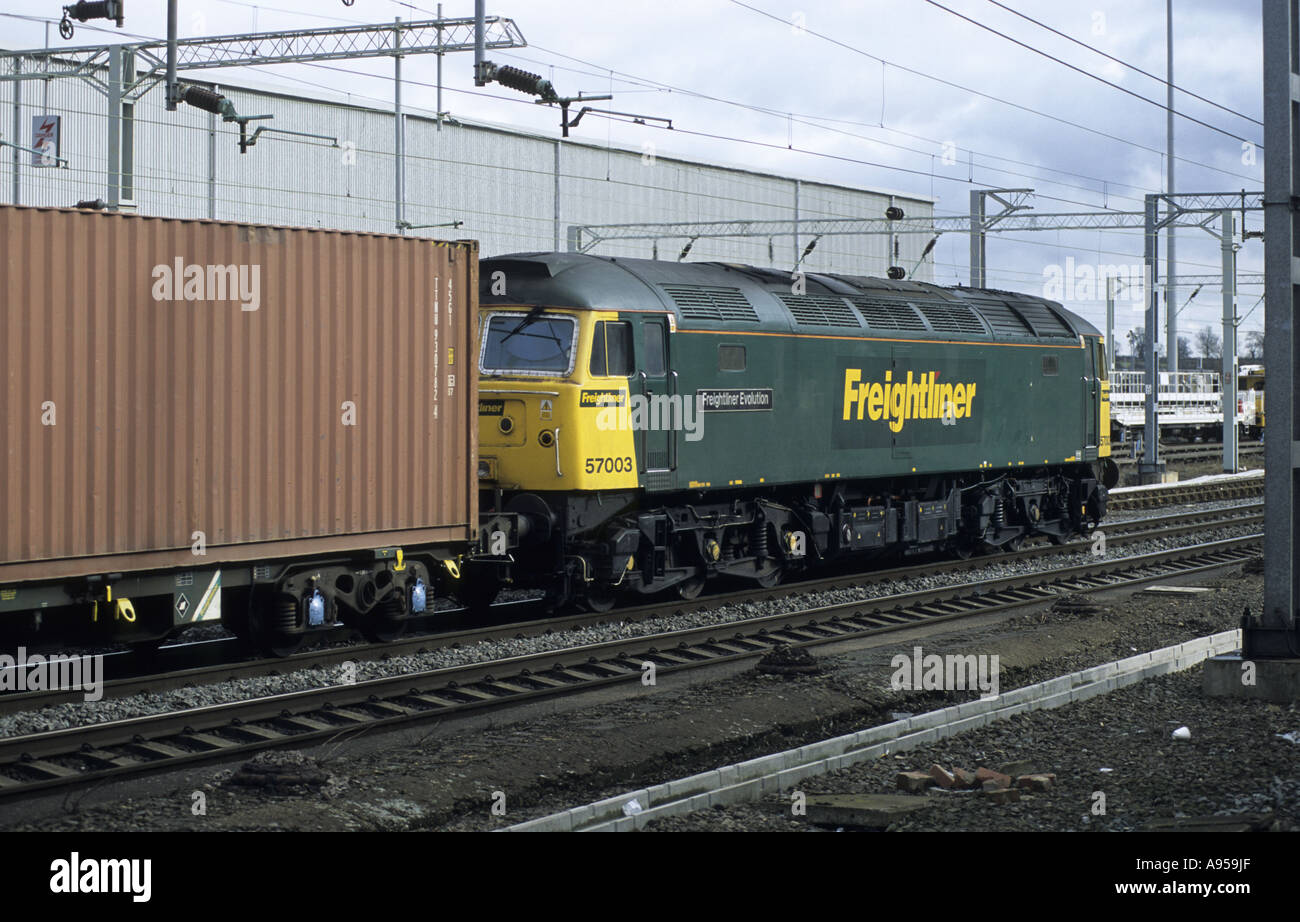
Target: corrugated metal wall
[[502, 184], [131, 421]]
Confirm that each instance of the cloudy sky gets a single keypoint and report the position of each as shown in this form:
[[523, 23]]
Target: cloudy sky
[[895, 94]]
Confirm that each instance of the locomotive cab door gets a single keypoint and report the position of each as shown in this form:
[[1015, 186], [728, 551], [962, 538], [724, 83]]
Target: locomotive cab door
[[1091, 396], [657, 437]]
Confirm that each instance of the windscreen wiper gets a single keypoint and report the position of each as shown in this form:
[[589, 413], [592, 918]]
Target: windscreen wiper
[[532, 317]]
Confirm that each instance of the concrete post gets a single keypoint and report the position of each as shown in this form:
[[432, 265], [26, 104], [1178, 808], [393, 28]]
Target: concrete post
[[1150, 468], [1229, 351]]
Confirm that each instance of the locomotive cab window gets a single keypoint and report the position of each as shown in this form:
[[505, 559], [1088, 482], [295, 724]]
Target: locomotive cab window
[[655, 366], [731, 358], [1050, 366], [611, 349], [531, 344]]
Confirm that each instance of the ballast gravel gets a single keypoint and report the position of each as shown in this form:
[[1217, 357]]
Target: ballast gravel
[[81, 713], [485, 774], [1117, 764]]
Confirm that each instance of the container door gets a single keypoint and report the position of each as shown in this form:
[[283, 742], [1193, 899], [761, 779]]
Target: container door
[[662, 415]]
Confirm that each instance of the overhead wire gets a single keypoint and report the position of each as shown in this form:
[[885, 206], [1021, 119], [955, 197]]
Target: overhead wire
[[1092, 76], [1133, 67], [989, 96]]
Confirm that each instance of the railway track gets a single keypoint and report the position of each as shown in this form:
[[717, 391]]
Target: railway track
[[127, 674], [1187, 493], [42, 762], [1210, 451]]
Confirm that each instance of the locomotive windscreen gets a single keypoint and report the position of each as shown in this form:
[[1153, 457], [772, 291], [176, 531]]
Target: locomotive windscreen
[[528, 344]]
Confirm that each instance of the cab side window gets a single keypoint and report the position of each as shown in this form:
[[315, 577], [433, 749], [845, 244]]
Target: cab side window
[[611, 349], [731, 358], [655, 366]]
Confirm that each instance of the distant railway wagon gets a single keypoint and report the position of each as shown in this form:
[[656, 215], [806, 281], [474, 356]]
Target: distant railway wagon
[[1189, 405], [270, 427], [1250, 400], [646, 425]]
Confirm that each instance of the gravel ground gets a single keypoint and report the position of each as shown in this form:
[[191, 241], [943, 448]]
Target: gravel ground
[[107, 709], [1243, 757], [1134, 515], [593, 747]]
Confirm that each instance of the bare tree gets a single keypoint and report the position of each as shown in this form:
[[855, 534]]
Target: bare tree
[[1254, 346], [1208, 343], [1136, 344]]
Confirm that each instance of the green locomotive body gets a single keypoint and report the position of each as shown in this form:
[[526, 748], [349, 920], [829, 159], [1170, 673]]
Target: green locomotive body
[[709, 419]]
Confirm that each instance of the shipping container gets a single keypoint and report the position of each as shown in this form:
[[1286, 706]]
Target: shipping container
[[197, 394]]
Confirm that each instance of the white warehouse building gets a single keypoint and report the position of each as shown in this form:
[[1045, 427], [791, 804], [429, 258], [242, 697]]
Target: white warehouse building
[[512, 190]]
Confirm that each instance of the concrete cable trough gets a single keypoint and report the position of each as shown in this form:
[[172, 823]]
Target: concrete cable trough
[[748, 781]]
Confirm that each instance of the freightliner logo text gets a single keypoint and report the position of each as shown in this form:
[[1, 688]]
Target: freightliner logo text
[[895, 402]]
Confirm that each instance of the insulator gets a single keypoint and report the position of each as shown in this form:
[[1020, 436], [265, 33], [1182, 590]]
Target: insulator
[[109, 9], [202, 98], [897, 272], [525, 82], [894, 213]]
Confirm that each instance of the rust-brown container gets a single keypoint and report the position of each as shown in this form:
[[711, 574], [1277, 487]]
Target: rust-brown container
[[319, 398]]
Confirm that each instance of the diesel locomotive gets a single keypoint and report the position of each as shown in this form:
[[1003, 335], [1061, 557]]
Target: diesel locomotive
[[648, 426], [588, 426]]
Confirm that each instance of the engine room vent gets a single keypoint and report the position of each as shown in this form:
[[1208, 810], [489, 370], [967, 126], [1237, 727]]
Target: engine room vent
[[702, 302], [821, 310], [952, 318], [888, 315], [1043, 320], [1003, 319]]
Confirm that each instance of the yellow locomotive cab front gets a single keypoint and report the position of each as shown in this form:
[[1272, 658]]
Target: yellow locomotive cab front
[[553, 395]]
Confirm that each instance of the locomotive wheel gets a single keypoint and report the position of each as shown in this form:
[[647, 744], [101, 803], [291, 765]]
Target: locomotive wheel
[[691, 588], [599, 599], [771, 580]]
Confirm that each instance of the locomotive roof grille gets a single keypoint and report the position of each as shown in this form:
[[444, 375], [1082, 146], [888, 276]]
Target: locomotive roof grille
[[1043, 319], [821, 310], [713, 295], [951, 318], [705, 302], [888, 315], [1003, 318]]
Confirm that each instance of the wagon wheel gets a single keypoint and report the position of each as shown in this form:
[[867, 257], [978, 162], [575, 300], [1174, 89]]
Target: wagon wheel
[[385, 622], [477, 595], [267, 636]]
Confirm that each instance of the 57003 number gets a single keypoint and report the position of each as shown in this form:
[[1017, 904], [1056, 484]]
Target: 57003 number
[[610, 466]]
